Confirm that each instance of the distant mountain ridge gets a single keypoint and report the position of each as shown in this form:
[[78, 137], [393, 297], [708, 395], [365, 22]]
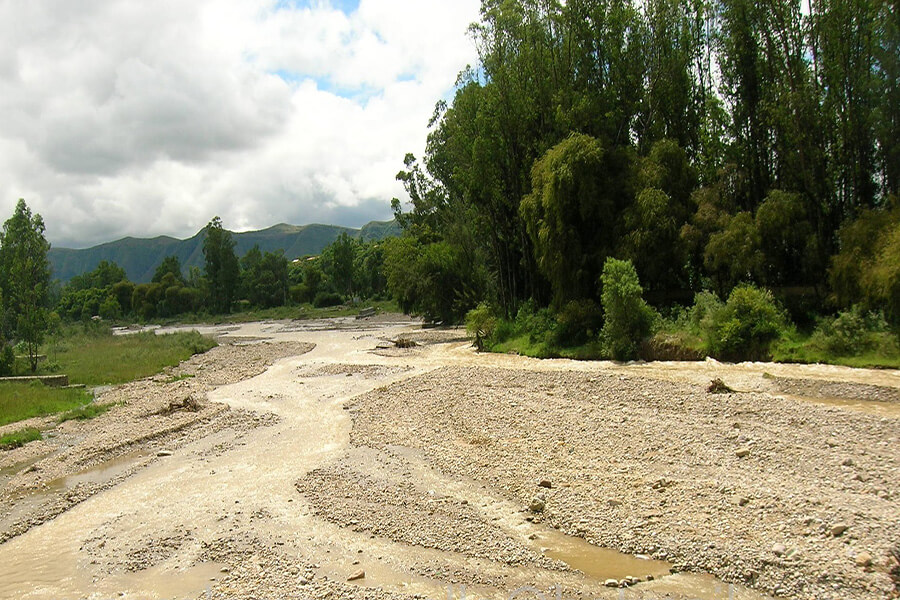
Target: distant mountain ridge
[[140, 257]]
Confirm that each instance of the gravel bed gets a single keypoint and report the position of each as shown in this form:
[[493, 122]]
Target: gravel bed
[[790, 498]]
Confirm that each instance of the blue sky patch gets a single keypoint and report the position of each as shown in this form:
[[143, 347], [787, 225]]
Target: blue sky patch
[[345, 6]]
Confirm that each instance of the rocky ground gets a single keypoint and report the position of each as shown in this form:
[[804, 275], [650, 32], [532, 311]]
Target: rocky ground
[[792, 498], [364, 470]]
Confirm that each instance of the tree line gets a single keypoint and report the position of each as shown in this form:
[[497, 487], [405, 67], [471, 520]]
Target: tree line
[[710, 144], [32, 305]]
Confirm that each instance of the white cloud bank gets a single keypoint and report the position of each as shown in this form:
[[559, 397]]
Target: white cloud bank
[[123, 117]]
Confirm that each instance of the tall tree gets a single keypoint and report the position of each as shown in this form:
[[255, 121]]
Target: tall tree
[[169, 264], [25, 277], [222, 270]]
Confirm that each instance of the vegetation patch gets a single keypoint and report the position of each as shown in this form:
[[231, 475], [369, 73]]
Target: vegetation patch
[[20, 401], [19, 438], [83, 413], [98, 358]]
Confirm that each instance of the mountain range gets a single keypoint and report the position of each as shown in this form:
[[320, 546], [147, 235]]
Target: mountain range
[[140, 257]]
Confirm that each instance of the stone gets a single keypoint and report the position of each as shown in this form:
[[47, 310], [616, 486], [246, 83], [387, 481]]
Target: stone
[[863, 559], [744, 501], [545, 483], [611, 583], [537, 505], [742, 452], [847, 462], [838, 529], [164, 453], [357, 575], [778, 549]]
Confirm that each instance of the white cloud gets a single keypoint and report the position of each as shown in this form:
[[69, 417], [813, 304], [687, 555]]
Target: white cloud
[[148, 118]]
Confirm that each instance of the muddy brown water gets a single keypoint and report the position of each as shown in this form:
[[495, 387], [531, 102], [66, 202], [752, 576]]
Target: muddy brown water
[[212, 492]]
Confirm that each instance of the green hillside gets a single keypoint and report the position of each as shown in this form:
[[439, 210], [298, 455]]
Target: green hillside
[[140, 257]]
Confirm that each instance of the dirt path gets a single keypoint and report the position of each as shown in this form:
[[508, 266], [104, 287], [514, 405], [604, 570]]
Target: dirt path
[[418, 467]]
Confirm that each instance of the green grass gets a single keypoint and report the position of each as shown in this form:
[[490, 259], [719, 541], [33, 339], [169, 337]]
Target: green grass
[[278, 313], [83, 413], [101, 358], [797, 348], [523, 346], [20, 401], [19, 438]]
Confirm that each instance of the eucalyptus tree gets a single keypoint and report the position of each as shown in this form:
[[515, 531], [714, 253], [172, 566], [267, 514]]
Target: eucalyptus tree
[[25, 278], [222, 269]]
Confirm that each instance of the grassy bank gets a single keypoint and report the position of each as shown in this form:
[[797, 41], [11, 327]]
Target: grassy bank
[[20, 401], [19, 438], [99, 358], [882, 352], [756, 330], [279, 313], [793, 348], [92, 356]]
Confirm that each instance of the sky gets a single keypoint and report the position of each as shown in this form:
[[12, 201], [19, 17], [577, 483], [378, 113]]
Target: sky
[[133, 118]]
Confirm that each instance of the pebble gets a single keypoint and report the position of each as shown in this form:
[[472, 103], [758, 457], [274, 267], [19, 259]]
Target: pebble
[[357, 575], [742, 452], [537, 505], [838, 529], [164, 453], [863, 559]]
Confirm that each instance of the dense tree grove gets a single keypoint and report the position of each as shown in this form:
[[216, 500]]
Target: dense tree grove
[[712, 144], [347, 270]]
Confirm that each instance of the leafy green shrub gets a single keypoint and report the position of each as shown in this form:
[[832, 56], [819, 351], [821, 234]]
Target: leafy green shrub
[[706, 304], [745, 327], [195, 342], [538, 323], [481, 324], [577, 323], [324, 299], [627, 318], [848, 334]]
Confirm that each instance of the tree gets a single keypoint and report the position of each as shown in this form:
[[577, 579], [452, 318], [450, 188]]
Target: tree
[[264, 277], [571, 212], [169, 264], [627, 318], [25, 277], [104, 275], [339, 258], [222, 270]]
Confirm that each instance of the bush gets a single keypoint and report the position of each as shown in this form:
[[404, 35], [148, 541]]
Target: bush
[[706, 304], [7, 359], [325, 299], [745, 327], [538, 323], [481, 324], [849, 333], [627, 318], [578, 322]]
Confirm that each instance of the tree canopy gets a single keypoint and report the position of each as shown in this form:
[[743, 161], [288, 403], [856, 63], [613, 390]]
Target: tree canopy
[[25, 278]]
